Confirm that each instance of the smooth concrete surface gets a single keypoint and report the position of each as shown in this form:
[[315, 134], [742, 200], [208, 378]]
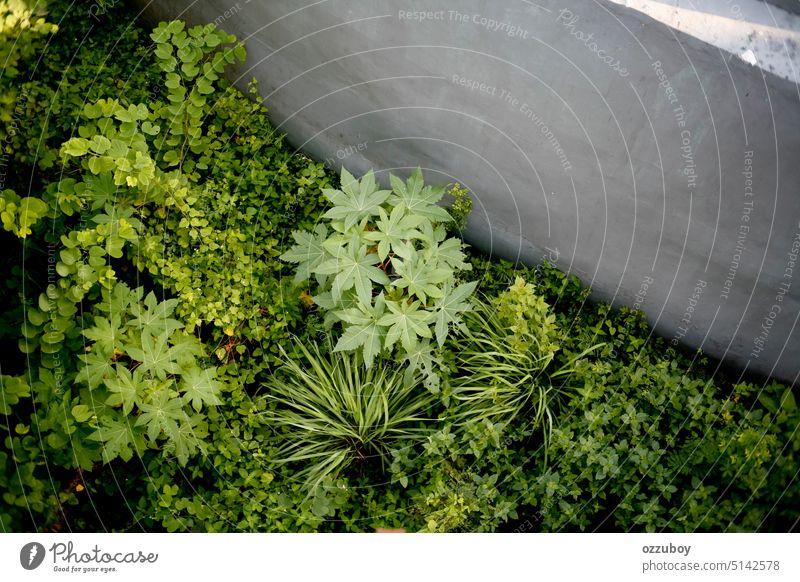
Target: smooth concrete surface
[[787, 5], [662, 171], [759, 33]]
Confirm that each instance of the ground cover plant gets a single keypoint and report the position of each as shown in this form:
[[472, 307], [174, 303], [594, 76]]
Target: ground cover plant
[[183, 294]]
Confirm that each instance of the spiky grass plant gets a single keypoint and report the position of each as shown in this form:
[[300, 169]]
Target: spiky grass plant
[[334, 410], [503, 359]]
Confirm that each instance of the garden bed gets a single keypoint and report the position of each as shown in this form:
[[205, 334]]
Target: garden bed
[[210, 330]]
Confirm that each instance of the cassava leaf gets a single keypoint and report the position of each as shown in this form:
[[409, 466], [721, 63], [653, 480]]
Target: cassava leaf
[[354, 268], [201, 387], [419, 199], [407, 323], [448, 307], [307, 253], [124, 388], [420, 279], [356, 200], [394, 229], [363, 330]]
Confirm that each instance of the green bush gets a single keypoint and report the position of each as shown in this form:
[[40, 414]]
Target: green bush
[[153, 305], [140, 386], [649, 448], [501, 358], [385, 271]]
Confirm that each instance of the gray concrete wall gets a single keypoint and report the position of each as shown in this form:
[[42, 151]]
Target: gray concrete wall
[[660, 170], [788, 5]]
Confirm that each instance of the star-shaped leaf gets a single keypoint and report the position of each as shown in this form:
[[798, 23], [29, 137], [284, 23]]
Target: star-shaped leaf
[[154, 355], [153, 317], [102, 189], [423, 360], [123, 388], [117, 438], [308, 253], [448, 307], [363, 329], [420, 279], [96, 366], [408, 322], [161, 414], [183, 439], [447, 254], [105, 331], [418, 198], [201, 387], [354, 268], [394, 229], [355, 200], [185, 349]]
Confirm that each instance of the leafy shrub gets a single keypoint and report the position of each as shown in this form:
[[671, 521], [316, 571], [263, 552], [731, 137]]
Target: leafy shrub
[[173, 181], [332, 411], [465, 480], [502, 360], [386, 270], [219, 252], [650, 449], [144, 378], [141, 388]]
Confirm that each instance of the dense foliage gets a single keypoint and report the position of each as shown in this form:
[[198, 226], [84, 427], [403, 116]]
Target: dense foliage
[[386, 271], [158, 355]]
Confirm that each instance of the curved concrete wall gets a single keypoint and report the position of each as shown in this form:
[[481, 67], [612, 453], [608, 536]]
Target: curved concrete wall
[[660, 170]]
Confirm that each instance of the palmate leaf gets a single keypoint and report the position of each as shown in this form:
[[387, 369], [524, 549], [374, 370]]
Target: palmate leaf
[[123, 387], [448, 308], [356, 200], [308, 253], [105, 331], [161, 414], [363, 330], [117, 437], [96, 366], [354, 268], [155, 356], [419, 199], [154, 317], [185, 349], [118, 300], [448, 254], [102, 189], [407, 323], [422, 359], [419, 278], [201, 387], [394, 229], [182, 437]]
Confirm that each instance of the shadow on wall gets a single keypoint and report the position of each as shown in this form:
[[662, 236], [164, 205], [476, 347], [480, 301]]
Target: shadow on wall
[[659, 169]]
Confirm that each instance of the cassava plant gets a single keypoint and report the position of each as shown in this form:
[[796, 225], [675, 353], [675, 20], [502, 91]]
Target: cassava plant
[[383, 267]]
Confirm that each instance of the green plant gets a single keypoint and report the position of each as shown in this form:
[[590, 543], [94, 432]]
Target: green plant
[[460, 208], [385, 270], [502, 360], [655, 450], [466, 479], [19, 215], [174, 181], [145, 380], [334, 411]]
